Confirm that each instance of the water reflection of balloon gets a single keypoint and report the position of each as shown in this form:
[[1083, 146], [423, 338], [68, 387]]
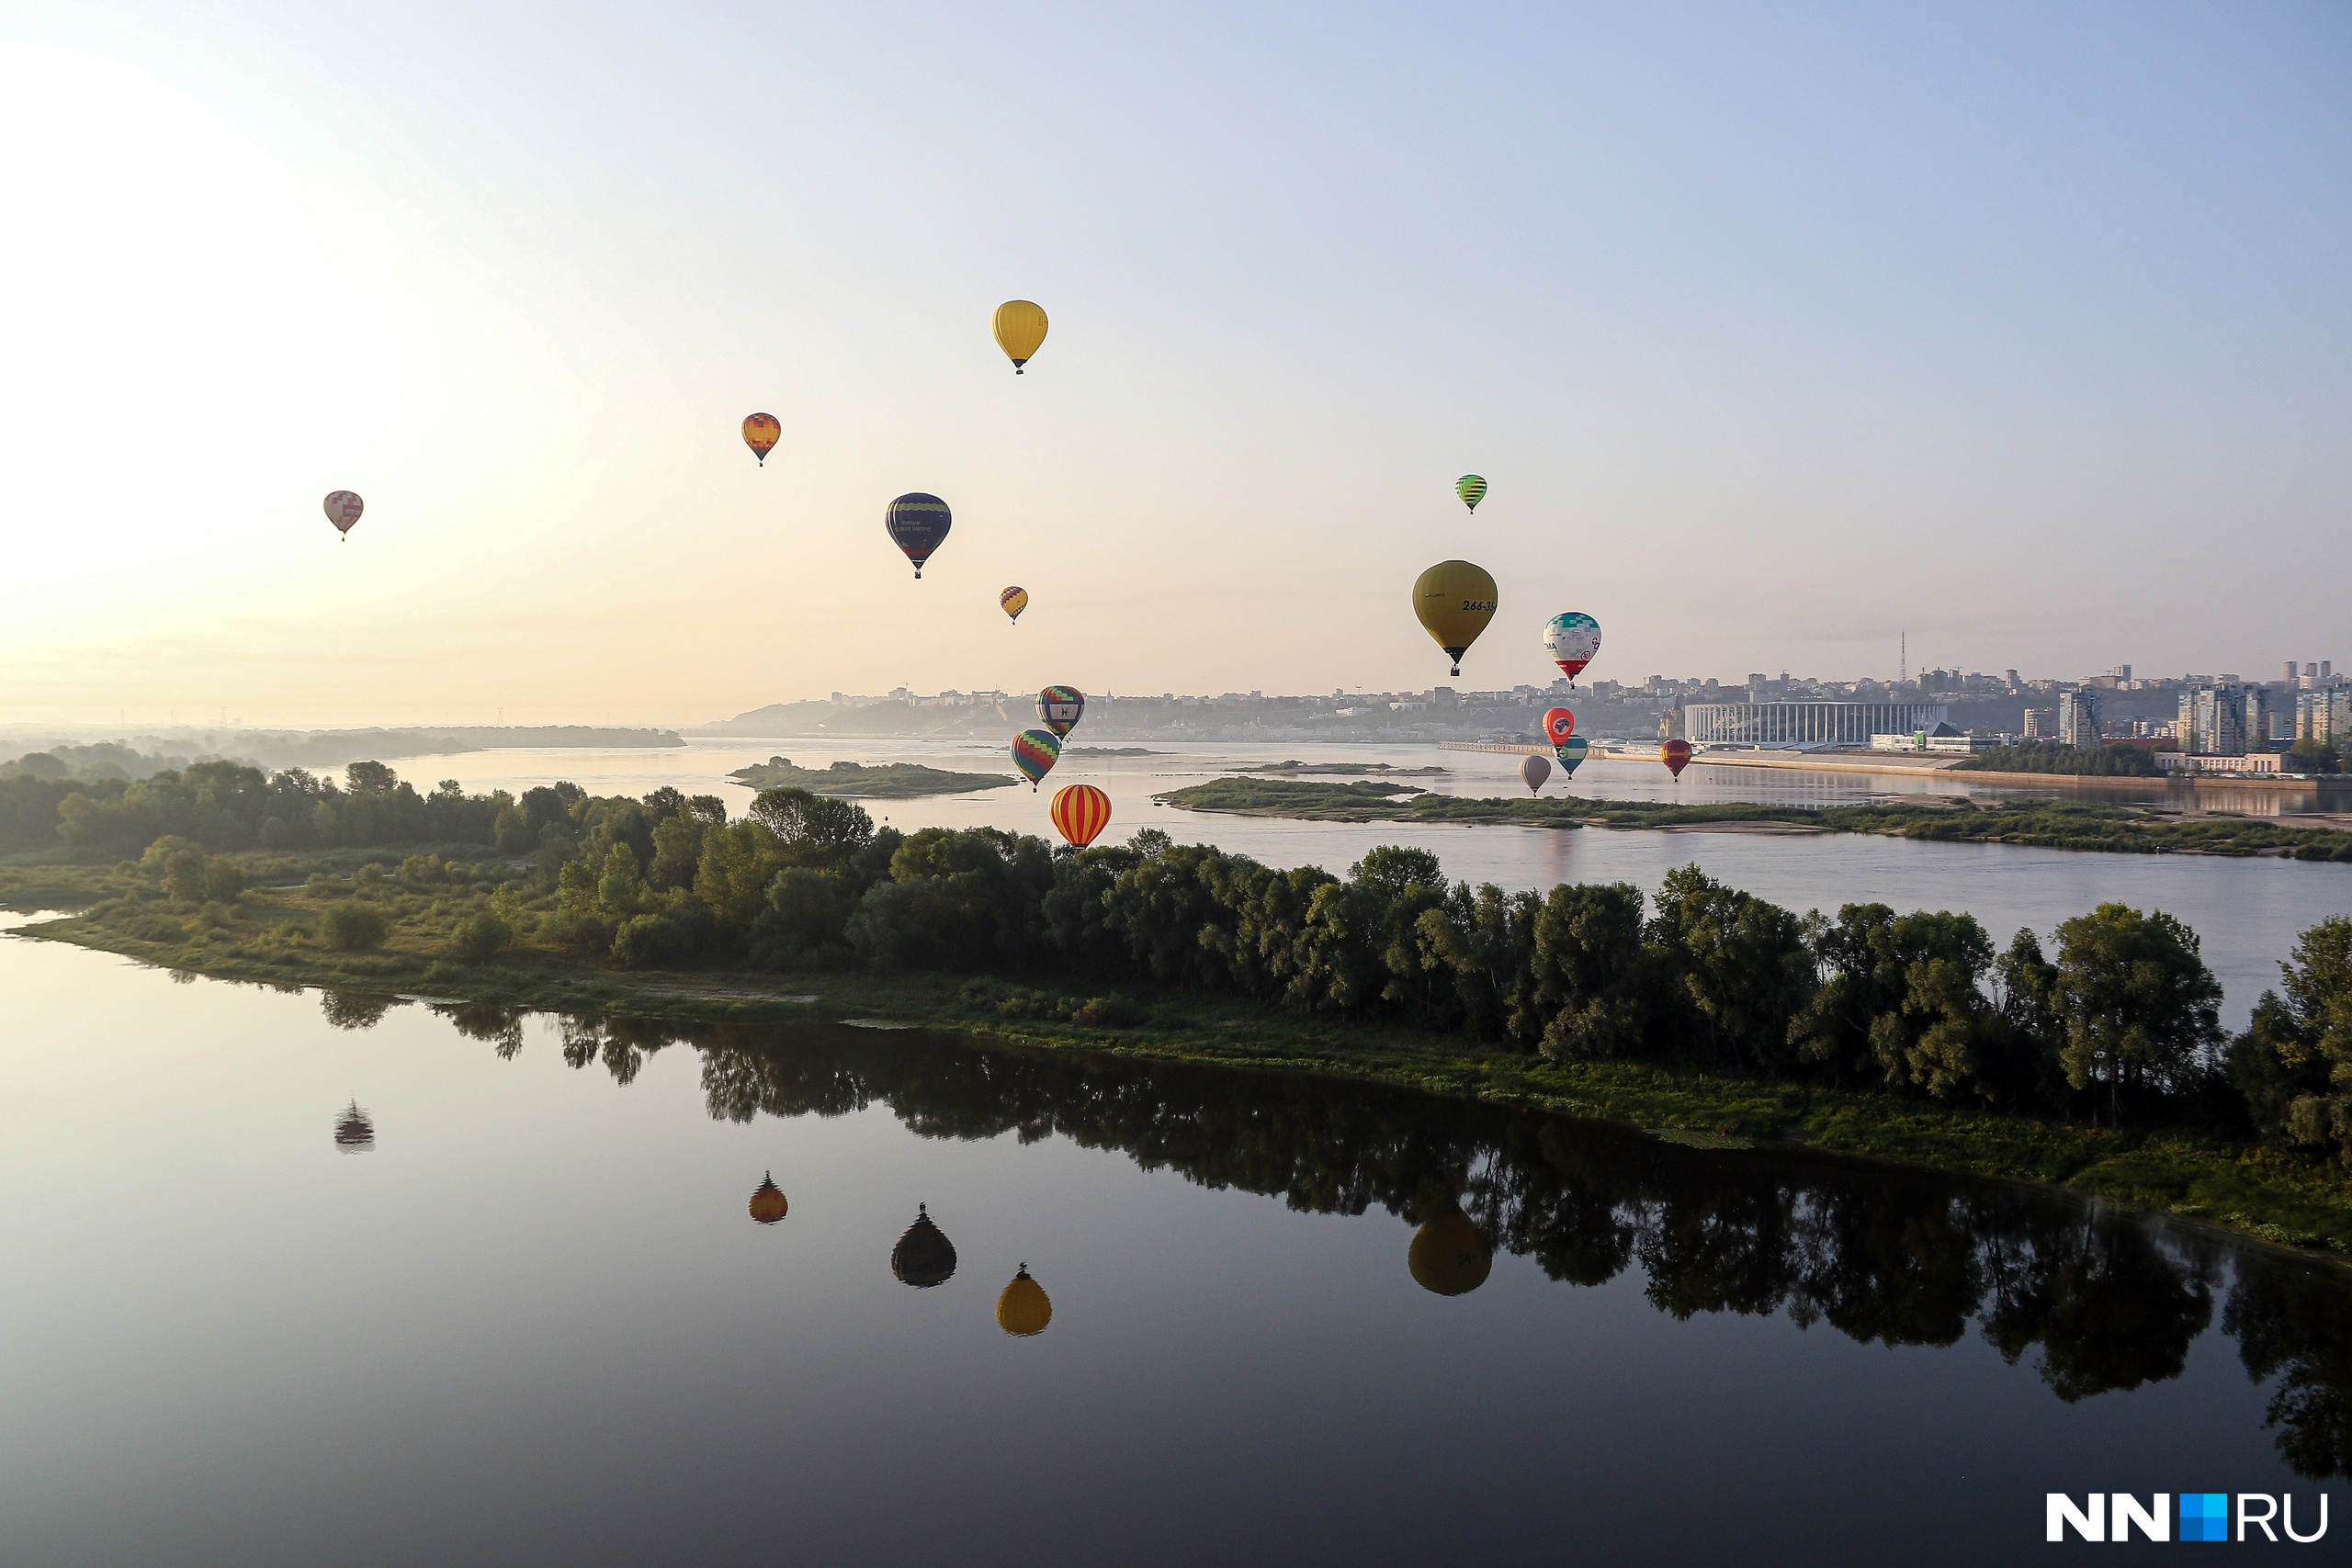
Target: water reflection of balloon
[[761, 433], [1570, 753], [343, 507], [1676, 755], [918, 525], [1534, 771], [1061, 707], [1472, 490], [1035, 752], [1012, 600], [924, 1257], [1081, 812], [1023, 1308], [1020, 330], [355, 1133], [1571, 641], [1448, 1257], [1454, 599], [1558, 725], [768, 1204]]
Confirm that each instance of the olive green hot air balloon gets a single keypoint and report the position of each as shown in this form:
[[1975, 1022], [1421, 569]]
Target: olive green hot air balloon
[[1454, 599]]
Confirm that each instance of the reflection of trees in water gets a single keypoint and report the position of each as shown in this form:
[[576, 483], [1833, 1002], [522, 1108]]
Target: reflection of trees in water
[[354, 1009], [2103, 1301]]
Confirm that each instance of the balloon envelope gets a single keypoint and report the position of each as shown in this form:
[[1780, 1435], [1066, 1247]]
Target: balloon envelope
[[1023, 1308], [1472, 490], [1676, 755], [1013, 601], [1035, 752], [1534, 771], [761, 433], [1061, 707], [1571, 751], [918, 525], [1571, 640], [1558, 725], [1081, 812], [343, 507], [1454, 599], [1020, 329]]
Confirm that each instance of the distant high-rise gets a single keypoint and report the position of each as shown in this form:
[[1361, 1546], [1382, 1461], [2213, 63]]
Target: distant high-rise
[[2040, 724], [2079, 719], [2291, 671], [2215, 721]]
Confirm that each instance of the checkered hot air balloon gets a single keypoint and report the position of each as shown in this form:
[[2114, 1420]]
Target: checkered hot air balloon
[[343, 507], [1080, 812], [761, 433], [1061, 707], [1035, 752], [1571, 641], [1012, 600]]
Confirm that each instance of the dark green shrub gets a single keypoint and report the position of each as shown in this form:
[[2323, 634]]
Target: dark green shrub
[[348, 927]]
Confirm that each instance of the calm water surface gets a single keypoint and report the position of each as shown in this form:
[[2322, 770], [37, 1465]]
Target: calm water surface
[[526, 1318], [2248, 911]]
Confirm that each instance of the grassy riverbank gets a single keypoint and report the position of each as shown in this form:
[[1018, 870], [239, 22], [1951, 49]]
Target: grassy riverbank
[[2060, 825], [277, 935]]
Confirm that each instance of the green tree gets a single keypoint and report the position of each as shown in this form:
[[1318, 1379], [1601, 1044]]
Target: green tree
[[815, 831], [2294, 1066], [184, 876], [1589, 972], [480, 937], [2139, 1008], [350, 926], [224, 880], [1739, 963]]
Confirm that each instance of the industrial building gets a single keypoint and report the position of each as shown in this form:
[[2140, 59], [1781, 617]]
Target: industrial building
[[1806, 724]]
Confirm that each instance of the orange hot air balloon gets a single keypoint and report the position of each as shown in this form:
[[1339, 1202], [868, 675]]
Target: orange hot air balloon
[[1676, 755], [761, 433], [1558, 725], [768, 1204], [1081, 812]]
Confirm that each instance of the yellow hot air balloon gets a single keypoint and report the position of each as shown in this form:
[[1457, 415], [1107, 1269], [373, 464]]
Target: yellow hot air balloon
[[1448, 1257], [1020, 328], [1454, 601], [1023, 1308]]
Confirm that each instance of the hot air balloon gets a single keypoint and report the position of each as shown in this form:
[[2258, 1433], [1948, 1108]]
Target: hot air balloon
[[1035, 752], [1558, 725], [1472, 490], [761, 433], [1571, 640], [1454, 601], [1448, 1257], [1081, 812], [343, 507], [1020, 328], [1571, 751], [1012, 600], [1676, 755], [918, 525], [355, 1131], [1023, 1309], [1061, 707], [1532, 771], [768, 1204], [924, 1257]]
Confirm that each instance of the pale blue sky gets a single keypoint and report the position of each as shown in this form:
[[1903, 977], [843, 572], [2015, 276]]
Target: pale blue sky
[[1776, 330]]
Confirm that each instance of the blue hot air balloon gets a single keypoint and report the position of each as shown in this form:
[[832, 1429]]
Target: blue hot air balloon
[[918, 525]]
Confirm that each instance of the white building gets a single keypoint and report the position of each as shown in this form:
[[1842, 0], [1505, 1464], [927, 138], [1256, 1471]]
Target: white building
[[1806, 724]]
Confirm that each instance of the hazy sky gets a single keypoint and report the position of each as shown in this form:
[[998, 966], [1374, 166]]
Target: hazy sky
[[1777, 330]]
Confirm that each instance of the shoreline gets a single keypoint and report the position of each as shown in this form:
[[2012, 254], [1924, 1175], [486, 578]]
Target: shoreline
[[2258, 1193]]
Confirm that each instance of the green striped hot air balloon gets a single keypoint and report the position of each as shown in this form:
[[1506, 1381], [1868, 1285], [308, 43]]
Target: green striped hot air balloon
[[1472, 490]]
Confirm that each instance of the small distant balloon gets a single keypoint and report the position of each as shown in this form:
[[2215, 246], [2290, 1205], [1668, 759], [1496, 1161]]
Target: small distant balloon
[[1453, 601], [1080, 812], [761, 433], [1571, 751], [1676, 755], [1558, 725], [918, 525], [1023, 1309], [355, 1131], [1472, 490], [1012, 600], [1020, 329], [1532, 771], [1035, 752], [343, 507], [1570, 641], [768, 1204], [1061, 707], [924, 1257]]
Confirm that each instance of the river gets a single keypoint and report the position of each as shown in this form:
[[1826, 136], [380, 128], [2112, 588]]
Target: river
[[2248, 912], [297, 1279]]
